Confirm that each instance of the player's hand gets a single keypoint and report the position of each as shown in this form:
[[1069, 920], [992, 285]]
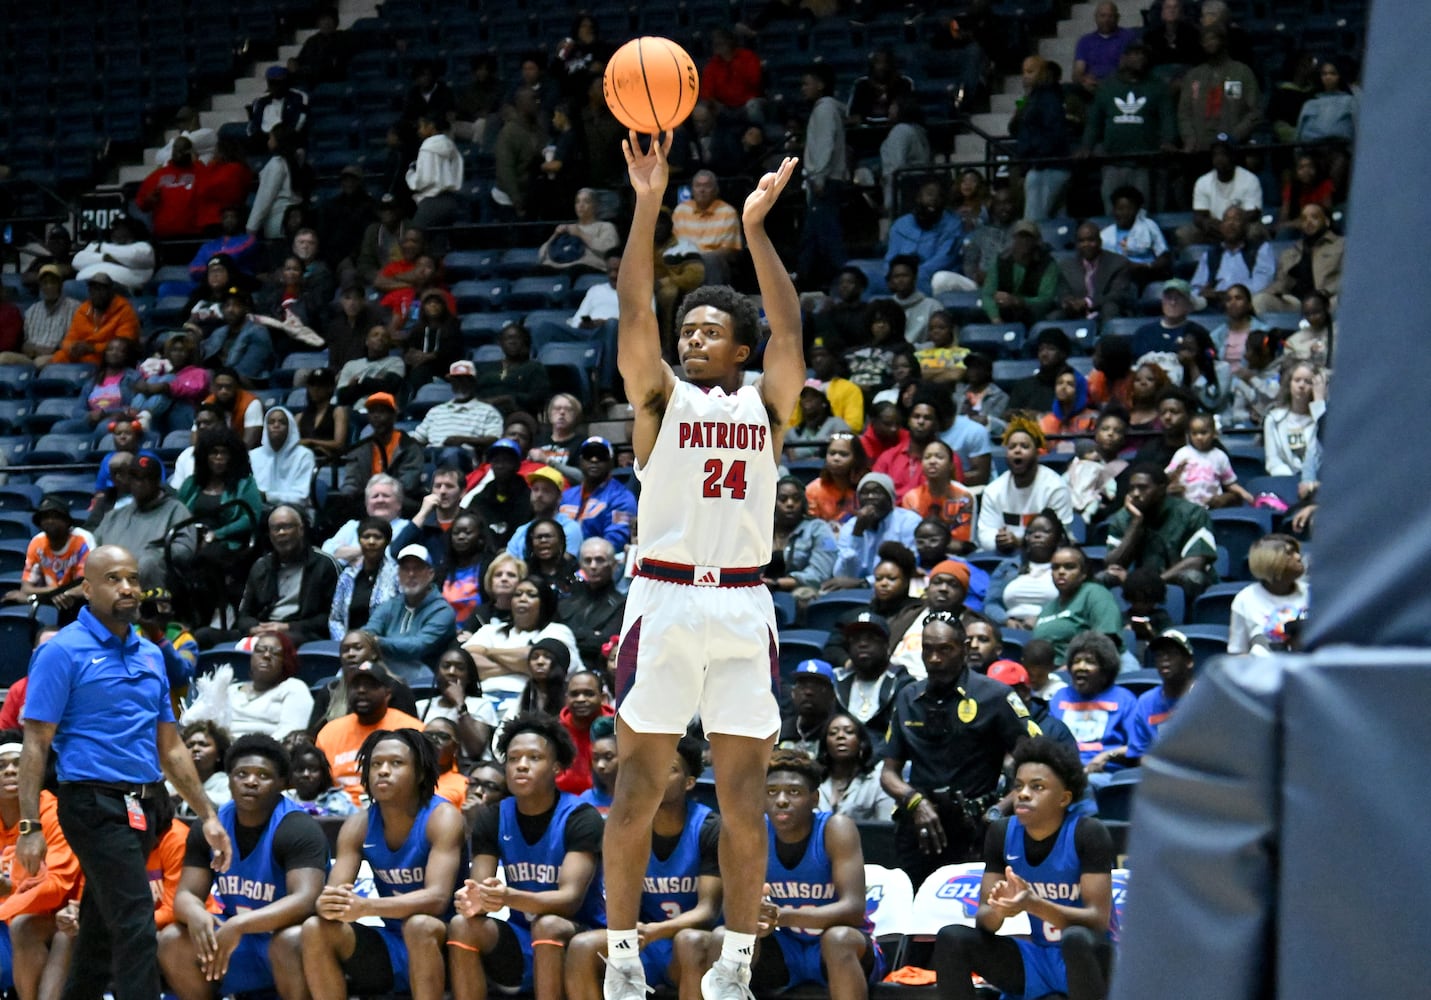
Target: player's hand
[[454, 692], [1134, 511], [1116, 572], [644, 935], [226, 941], [29, 853], [932, 838], [466, 900], [67, 919], [339, 902], [491, 894], [648, 170], [760, 201], [1302, 520], [203, 932], [1005, 541], [769, 918], [218, 843], [1010, 894]]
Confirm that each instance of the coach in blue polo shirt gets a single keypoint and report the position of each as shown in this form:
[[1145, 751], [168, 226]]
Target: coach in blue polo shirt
[[99, 694]]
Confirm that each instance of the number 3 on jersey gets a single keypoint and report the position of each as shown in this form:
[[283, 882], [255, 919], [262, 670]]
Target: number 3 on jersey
[[721, 481]]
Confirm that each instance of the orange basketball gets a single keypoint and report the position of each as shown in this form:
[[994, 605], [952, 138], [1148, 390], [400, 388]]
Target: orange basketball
[[651, 84]]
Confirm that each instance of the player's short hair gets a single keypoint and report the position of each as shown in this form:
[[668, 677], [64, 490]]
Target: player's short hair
[[1062, 760], [545, 726], [424, 757], [745, 318], [796, 762], [692, 755], [260, 745]]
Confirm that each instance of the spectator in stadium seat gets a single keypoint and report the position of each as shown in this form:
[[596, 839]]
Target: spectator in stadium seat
[[387, 450], [1236, 259], [1169, 534], [1173, 659], [1021, 284], [504, 500], [985, 244], [435, 178], [55, 557], [842, 320], [500, 646], [282, 466], [1040, 132], [415, 880], [103, 317], [803, 547], [240, 345], [1226, 184], [325, 55], [1219, 96], [46, 322], [711, 224], [1082, 604], [1096, 710], [1035, 393], [815, 422], [905, 147], [282, 184], [930, 233], [1291, 424], [1098, 54], [1015, 676], [882, 86], [1216, 13], [1070, 413], [203, 142], [108, 392], [601, 504], [1232, 337], [1262, 610], [943, 497], [331, 701], [377, 372], [518, 381], [876, 521], [386, 242], [852, 780], [367, 582], [1095, 284], [170, 193], [581, 245], [432, 338], [545, 486], [205, 307], [281, 104], [241, 254], [953, 729], [1313, 339], [56, 249], [918, 307], [832, 496], [1311, 265], [290, 589], [1011, 501], [414, 627], [867, 682], [226, 184], [1172, 40], [594, 608], [1332, 112], [461, 422], [732, 78], [1137, 238], [812, 703], [343, 219], [125, 257], [405, 300], [1162, 335]]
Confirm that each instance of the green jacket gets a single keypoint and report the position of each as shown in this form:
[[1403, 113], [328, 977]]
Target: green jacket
[[1129, 117], [237, 520]]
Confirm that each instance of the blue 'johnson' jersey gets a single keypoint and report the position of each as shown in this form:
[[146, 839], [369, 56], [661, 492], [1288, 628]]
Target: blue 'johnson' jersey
[[255, 880], [404, 869], [1059, 878], [811, 882], [535, 867], [670, 886]]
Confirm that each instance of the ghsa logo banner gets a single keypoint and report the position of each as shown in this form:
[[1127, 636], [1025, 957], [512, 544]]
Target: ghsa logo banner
[[874, 896], [965, 889], [1120, 899]]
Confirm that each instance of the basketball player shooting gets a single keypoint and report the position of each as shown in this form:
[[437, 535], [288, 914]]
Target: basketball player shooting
[[699, 630]]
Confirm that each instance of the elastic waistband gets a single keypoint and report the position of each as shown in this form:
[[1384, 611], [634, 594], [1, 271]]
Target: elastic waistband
[[149, 791], [701, 576]]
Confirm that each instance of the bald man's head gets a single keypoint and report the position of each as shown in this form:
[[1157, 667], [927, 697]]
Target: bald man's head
[[111, 586]]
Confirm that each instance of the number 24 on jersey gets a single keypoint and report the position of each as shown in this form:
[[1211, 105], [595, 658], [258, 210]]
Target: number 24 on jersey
[[722, 480]]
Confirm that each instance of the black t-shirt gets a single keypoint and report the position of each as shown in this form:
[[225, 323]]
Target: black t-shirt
[[709, 838], [583, 830], [298, 842], [1090, 840]]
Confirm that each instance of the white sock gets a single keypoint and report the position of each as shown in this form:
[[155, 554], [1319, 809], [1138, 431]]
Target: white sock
[[738, 949], [622, 946]]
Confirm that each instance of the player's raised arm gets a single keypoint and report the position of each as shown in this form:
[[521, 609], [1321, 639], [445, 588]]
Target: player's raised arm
[[638, 346], [785, 353]]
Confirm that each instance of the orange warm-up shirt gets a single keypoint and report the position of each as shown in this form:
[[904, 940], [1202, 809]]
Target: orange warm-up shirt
[[58, 882], [341, 739]]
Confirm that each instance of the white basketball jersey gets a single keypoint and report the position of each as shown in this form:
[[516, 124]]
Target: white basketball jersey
[[708, 486]]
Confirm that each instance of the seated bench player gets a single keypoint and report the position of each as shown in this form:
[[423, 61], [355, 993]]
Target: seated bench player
[[271, 887], [813, 927], [548, 843], [681, 889], [414, 842], [1054, 865]]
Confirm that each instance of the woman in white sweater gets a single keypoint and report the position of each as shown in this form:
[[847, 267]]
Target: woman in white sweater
[[1292, 423], [273, 700]]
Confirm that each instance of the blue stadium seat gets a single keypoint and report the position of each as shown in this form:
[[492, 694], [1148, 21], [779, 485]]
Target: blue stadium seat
[[479, 328], [176, 441], [318, 661], [487, 354], [1058, 233], [12, 556], [1115, 799], [518, 262], [1014, 640], [13, 414], [825, 611], [1214, 605], [1004, 340], [582, 283], [15, 381], [783, 601], [873, 268], [16, 526], [1139, 681], [806, 469], [15, 448], [16, 641], [1236, 528], [958, 302], [464, 265], [797, 645], [1249, 461], [225, 654], [60, 449], [1082, 334], [537, 317], [62, 379], [20, 496], [1123, 326], [427, 397], [483, 293], [49, 412], [538, 292]]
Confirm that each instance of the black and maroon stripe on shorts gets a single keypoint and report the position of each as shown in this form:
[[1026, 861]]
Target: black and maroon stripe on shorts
[[720, 576]]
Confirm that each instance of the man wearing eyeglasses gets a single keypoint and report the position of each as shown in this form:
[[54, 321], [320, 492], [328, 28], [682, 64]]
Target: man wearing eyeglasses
[[953, 728], [291, 588]]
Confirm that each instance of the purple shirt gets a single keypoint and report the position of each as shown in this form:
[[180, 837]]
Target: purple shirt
[[1100, 54]]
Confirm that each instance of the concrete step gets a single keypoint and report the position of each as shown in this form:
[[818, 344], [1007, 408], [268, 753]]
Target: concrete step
[[1004, 104], [992, 123], [968, 147], [217, 119], [229, 103]]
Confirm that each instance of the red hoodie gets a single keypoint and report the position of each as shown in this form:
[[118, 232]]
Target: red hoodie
[[577, 778]]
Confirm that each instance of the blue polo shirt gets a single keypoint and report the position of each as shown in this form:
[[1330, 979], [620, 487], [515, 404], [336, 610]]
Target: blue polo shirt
[[106, 695]]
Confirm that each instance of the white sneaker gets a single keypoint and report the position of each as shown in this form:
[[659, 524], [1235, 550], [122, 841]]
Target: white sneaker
[[625, 980], [727, 981]]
